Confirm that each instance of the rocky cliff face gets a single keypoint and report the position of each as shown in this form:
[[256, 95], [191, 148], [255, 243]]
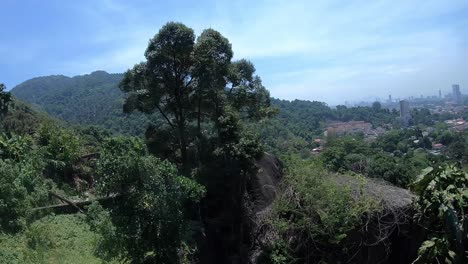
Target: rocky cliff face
[[263, 186], [262, 191], [387, 236]]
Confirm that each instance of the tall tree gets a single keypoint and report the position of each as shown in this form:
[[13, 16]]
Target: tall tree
[[5, 99], [203, 96], [192, 83], [164, 81], [212, 57]]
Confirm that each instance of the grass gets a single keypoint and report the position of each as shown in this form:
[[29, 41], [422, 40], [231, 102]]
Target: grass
[[57, 239]]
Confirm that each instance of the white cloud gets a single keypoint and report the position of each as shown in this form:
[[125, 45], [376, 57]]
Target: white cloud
[[346, 49]]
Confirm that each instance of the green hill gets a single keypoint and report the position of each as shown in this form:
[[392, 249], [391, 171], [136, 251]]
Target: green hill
[[91, 99], [21, 118]]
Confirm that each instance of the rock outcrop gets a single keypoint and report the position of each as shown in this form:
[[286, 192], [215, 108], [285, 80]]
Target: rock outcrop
[[387, 236], [262, 187]]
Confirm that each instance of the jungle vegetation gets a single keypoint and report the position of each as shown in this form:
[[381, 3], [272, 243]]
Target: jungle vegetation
[[162, 156]]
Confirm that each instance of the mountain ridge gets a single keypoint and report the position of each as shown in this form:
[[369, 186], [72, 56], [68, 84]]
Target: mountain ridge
[[89, 99]]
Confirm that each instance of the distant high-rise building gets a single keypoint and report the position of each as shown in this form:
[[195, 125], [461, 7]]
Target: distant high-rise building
[[440, 93], [456, 94], [405, 112], [389, 98]]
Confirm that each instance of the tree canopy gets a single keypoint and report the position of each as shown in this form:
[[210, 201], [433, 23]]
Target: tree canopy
[[5, 99], [193, 85]]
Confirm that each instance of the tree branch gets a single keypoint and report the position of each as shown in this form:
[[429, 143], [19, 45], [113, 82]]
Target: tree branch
[[165, 116], [67, 201]]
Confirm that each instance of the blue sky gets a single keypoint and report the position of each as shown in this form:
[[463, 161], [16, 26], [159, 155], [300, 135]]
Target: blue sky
[[332, 51]]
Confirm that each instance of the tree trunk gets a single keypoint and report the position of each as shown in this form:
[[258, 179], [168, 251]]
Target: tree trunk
[[67, 201]]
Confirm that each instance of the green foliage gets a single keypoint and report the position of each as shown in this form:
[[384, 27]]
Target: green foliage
[[202, 96], [22, 119], [23, 188], [149, 219], [400, 142], [315, 213], [202, 89], [15, 147], [400, 171], [91, 137], [434, 250], [442, 206], [299, 122], [421, 116], [92, 99], [117, 157], [346, 153], [52, 239], [59, 144], [394, 157], [61, 148], [294, 128], [13, 199], [28, 164], [279, 253], [199, 103], [108, 244], [5, 99]]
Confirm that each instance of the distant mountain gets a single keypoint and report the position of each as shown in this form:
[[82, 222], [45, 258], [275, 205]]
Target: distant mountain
[[91, 99]]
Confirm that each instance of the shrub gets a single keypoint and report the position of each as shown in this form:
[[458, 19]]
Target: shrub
[[52, 239], [22, 187], [442, 205], [314, 214], [149, 219]]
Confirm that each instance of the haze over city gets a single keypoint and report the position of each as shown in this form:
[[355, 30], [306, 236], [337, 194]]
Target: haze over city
[[331, 51]]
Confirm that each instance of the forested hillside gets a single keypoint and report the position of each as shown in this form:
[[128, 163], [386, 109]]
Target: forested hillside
[[21, 118], [92, 99], [299, 122], [95, 99]]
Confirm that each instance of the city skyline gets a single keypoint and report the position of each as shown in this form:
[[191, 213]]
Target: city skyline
[[438, 94]]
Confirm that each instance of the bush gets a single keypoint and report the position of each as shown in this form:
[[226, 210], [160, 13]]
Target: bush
[[61, 148], [22, 188], [442, 204], [52, 239], [315, 213], [150, 220]]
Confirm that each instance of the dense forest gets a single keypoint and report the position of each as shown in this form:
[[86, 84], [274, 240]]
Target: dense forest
[[185, 158], [92, 99], [95, 99]]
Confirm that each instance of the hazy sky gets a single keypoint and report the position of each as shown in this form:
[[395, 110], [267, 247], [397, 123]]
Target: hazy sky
[[311, 49]]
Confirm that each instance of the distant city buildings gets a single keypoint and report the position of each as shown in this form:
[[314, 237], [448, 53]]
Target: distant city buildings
[[457, 124], [405, 115], [343, 128], [456, 94], [337, 129], [441, 100]]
